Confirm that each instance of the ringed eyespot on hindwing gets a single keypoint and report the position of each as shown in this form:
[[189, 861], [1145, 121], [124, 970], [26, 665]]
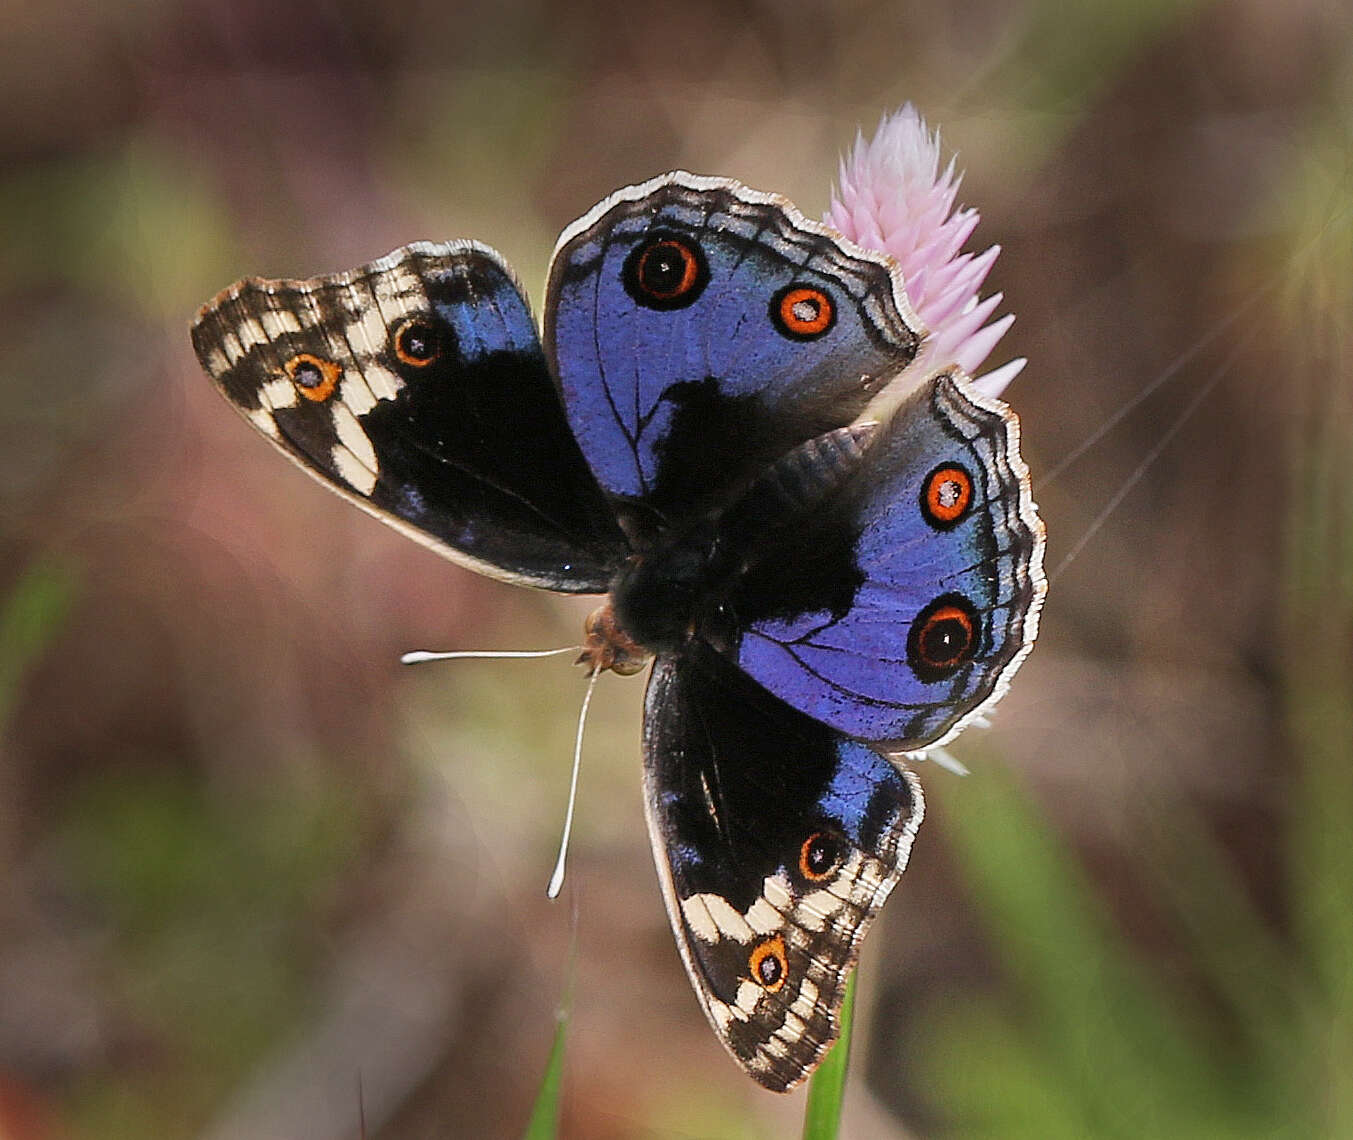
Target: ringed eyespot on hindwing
[[943, 637], [946, 495], [820, 856], [768, 963]]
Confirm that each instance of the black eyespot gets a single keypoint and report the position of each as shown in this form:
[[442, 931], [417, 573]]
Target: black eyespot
[[418, 342], [943, 637], [820, 856], [665, 271], [802, 312]]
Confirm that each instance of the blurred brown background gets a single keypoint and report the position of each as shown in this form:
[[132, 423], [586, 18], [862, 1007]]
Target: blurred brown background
[[250, 863]]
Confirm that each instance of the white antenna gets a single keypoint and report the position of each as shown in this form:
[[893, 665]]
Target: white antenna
[[416, 656], [557, 879]]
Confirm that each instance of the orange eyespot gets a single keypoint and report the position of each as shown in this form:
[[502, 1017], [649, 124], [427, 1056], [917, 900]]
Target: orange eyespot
[[666, 271], [946, 496], [417, 342], [820, 856], [942, 637], [768, 963], [315, 378], [802, 312]]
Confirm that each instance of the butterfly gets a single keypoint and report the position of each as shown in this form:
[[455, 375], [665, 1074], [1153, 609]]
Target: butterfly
[[825, 578]]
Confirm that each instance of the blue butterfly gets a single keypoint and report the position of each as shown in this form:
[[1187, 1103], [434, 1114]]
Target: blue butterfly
[[826, 580]]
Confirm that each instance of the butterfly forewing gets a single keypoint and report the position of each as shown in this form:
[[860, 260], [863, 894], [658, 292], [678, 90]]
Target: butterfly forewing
[[416, 386], [700, 330]]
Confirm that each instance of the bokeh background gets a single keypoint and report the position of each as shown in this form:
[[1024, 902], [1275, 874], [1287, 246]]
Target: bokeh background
[[257, 880]]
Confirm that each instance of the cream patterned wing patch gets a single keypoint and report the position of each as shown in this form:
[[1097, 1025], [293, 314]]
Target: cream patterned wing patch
[[416, 387], [777, 841]]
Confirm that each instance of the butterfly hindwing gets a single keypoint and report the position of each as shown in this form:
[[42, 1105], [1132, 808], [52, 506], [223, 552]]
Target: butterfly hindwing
[[416, 386], [898, 609], [700, 329], [777, 840]]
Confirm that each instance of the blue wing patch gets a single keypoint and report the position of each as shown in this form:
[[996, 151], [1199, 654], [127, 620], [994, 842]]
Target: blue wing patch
[[904, 605], [777, 841], [699, 330], [416, 387]]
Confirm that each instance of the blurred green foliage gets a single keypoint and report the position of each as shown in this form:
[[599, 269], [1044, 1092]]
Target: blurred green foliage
[[211, 899], [31, 618], [136, 228], [544, 1122], [1093, 1041]]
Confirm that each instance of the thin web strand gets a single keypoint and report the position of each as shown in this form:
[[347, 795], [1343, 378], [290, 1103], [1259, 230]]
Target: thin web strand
[[1293, 266], [1134, 402], [1150, 458]]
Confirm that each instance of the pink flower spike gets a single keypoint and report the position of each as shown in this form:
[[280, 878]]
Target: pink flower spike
[[893, 198], [967, 339], [993, 383]]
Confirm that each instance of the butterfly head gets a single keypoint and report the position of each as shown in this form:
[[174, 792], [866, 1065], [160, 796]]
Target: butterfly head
[[606, 645], [652, 606]]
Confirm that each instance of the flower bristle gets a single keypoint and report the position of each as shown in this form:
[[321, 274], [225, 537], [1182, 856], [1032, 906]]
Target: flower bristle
[[893, 197]]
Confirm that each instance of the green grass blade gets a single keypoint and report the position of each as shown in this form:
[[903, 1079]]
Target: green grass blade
[[1113, 1049], [827, 1089], [544, 1123], [545, 1113]]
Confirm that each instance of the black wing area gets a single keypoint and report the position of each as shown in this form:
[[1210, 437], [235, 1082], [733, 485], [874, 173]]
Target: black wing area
[[416, 387], [777, 841]]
